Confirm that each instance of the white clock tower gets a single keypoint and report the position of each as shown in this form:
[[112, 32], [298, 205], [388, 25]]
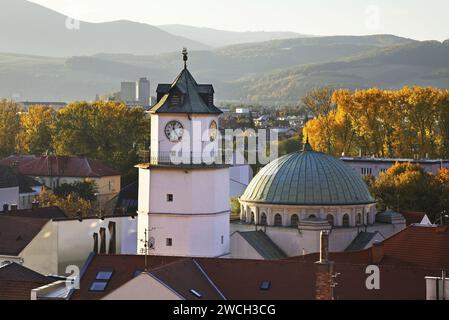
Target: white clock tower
[[183, 192]]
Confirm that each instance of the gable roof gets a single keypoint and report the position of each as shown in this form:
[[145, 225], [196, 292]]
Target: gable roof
[[263, 245], [17, 281], [412, 217], [185, 275], [190, 93], [60, 166], [17, 232]]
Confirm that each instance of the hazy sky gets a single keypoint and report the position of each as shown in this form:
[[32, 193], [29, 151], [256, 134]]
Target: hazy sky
[[418, 19]]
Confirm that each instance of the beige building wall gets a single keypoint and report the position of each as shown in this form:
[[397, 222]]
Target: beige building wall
[[41, 254], [143, 287]]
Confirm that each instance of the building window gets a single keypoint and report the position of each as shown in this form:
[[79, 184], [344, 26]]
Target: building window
[[330, 219], [312, 216], [222, 239], [253, 217], [278, 220], [359, 219], [294, 221], [366, 171], [169, 198], [346, 220], [383, 170], [169, 242], [263, 219]]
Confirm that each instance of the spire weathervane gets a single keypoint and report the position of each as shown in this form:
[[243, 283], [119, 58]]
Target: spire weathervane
[[185, 55]]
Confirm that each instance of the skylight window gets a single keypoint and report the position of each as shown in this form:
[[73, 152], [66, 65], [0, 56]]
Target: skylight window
[[104, 275], [265, 285], [196, 293], [98, 286]]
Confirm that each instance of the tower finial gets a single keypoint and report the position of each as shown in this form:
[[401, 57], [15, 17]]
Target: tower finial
[[307, 146], [185, 55]]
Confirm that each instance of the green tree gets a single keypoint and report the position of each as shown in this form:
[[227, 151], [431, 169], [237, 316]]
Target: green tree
[[85, 190]]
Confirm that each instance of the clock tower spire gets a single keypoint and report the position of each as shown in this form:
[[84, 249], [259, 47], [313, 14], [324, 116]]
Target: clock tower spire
[[185, 204]]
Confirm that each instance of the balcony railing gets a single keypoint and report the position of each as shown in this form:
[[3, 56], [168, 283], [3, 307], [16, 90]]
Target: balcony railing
[[180, 158]]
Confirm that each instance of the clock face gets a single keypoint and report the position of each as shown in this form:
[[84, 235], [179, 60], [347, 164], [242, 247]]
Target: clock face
[[213, 131], [174, 131]]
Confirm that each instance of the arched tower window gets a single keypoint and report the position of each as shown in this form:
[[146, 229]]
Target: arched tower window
[[330, 219], [278, 220], [253, 217], [263, 219], [294, 221], [346, 220], [312, 216], [359, 219]]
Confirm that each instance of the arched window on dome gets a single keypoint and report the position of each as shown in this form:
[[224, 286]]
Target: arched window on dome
[[346, 221], [312, 216], [278, 220], [294, 221], [330, 219], [359, 219], [263, 219], [253, 217]]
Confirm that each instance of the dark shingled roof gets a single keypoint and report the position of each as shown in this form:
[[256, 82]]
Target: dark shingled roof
[[263, 245], [16, 282], [361, 241], [191, 94], [17, 232]]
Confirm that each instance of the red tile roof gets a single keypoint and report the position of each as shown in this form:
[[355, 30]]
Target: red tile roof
[[412, 217], [240, 279], [416, 246], [16, 282], [17, 232], [59, 166]]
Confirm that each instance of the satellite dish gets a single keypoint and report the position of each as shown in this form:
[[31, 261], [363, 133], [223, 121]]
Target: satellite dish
[[151, 242]]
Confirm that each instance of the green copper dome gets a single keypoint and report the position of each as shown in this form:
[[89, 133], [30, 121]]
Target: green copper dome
[[307, 178]]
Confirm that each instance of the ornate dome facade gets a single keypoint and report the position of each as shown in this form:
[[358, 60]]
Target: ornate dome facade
[[306, 186]]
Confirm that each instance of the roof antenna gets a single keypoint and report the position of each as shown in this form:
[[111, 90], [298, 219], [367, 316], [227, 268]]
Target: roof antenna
[[185, 55], [146, 249]]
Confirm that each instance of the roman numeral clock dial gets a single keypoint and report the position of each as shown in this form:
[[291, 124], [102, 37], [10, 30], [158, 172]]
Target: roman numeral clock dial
[[174, 131]]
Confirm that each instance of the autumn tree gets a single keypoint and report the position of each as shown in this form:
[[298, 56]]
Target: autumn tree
[[407, 186], [319, 102], [72, 204], [9, 126], [36, 130]]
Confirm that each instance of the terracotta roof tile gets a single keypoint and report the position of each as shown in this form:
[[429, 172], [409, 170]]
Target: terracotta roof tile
[[59, 166]]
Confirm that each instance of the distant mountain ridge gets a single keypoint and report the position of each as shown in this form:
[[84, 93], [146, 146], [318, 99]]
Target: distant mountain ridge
[[221, 38], [264, 73], [29, 28]]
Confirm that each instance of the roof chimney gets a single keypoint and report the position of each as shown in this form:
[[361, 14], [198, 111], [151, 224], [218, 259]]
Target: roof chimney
[[377, 252], [324, 271]]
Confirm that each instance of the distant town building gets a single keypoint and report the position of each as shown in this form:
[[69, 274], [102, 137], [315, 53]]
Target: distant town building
[[56, 105], [143, 91], [242, 111], [374, 166], [128, 92]]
